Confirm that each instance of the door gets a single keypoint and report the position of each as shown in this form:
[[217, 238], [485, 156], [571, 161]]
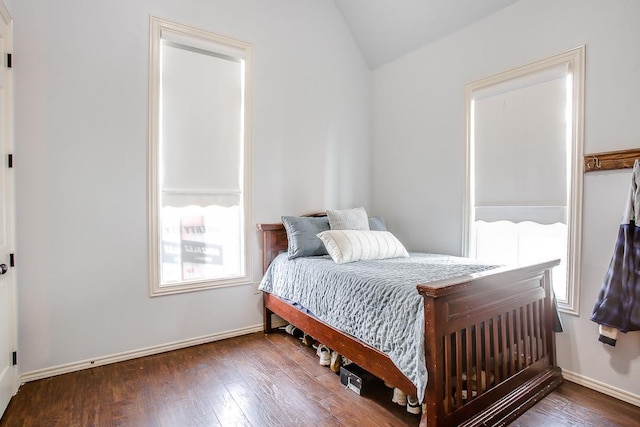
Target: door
[[8, 380]]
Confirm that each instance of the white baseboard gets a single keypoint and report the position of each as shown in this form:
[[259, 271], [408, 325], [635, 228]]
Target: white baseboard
[[128, 355], [603, 388]]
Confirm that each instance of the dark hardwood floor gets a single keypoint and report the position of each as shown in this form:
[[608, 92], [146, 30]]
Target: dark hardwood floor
[[254, 380]]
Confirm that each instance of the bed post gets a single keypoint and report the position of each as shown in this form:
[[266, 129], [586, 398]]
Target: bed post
[[550, 311], [266, 326], [433, 353], [274, 240]]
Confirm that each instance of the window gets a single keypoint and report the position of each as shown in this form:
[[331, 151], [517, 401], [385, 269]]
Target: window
[[199, 159], [524, 168]]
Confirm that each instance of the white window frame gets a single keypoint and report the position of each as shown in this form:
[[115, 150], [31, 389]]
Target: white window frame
[[574, 60], [158, 27]]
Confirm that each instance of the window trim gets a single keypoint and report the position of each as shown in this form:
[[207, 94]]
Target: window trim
[[574, 59], [157, 27]]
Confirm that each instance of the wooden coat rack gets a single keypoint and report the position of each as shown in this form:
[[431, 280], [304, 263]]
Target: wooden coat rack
[[622, 159]]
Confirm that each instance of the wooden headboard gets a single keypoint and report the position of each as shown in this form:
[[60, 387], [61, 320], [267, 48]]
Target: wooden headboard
[[274, 241]]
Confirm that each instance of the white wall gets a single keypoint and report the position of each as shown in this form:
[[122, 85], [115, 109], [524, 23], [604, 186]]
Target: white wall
[[419, 140], [81, 135]]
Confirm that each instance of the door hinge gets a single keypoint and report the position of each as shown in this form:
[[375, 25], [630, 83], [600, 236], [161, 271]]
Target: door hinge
[[10, 160], [9, 60], [14, 358], [12, 260]]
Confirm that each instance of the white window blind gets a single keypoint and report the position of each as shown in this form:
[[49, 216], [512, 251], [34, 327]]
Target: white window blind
[[520, 152]]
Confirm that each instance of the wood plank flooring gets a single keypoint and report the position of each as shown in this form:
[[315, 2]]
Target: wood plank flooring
[[253, 380]]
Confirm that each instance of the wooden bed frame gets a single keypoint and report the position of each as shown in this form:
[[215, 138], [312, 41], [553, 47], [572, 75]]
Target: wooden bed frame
[[500, 321]]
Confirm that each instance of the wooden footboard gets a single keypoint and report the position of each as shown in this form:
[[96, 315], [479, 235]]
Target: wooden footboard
[[489, 346], [489, 341]]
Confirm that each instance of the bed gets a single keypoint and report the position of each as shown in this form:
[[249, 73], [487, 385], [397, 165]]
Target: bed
[[488, 344]]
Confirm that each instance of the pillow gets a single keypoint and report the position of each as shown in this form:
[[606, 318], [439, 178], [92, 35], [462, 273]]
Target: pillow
[[376, 223], [302, 235], [355, 245], [348, 219]]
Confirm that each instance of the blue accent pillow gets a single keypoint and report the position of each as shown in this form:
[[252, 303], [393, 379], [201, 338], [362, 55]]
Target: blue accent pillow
[[376, 223], [302, 235]]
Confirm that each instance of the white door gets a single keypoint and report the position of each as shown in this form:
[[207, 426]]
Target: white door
[[8, 381]]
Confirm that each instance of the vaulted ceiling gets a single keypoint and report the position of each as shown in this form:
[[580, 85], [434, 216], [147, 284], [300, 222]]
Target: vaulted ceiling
[[388, 29]]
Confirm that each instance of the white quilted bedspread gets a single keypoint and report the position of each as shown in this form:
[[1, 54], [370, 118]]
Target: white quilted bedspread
[[374, 301]]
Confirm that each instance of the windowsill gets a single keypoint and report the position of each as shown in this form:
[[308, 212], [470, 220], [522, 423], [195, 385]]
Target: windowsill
[[197, 286]]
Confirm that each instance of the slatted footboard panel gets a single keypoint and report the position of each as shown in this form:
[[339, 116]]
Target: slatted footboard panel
[[490, 352], [485, 342]]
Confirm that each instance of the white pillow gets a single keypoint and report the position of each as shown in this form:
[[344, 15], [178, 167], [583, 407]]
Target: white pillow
[[348, 219], [354, 245]]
